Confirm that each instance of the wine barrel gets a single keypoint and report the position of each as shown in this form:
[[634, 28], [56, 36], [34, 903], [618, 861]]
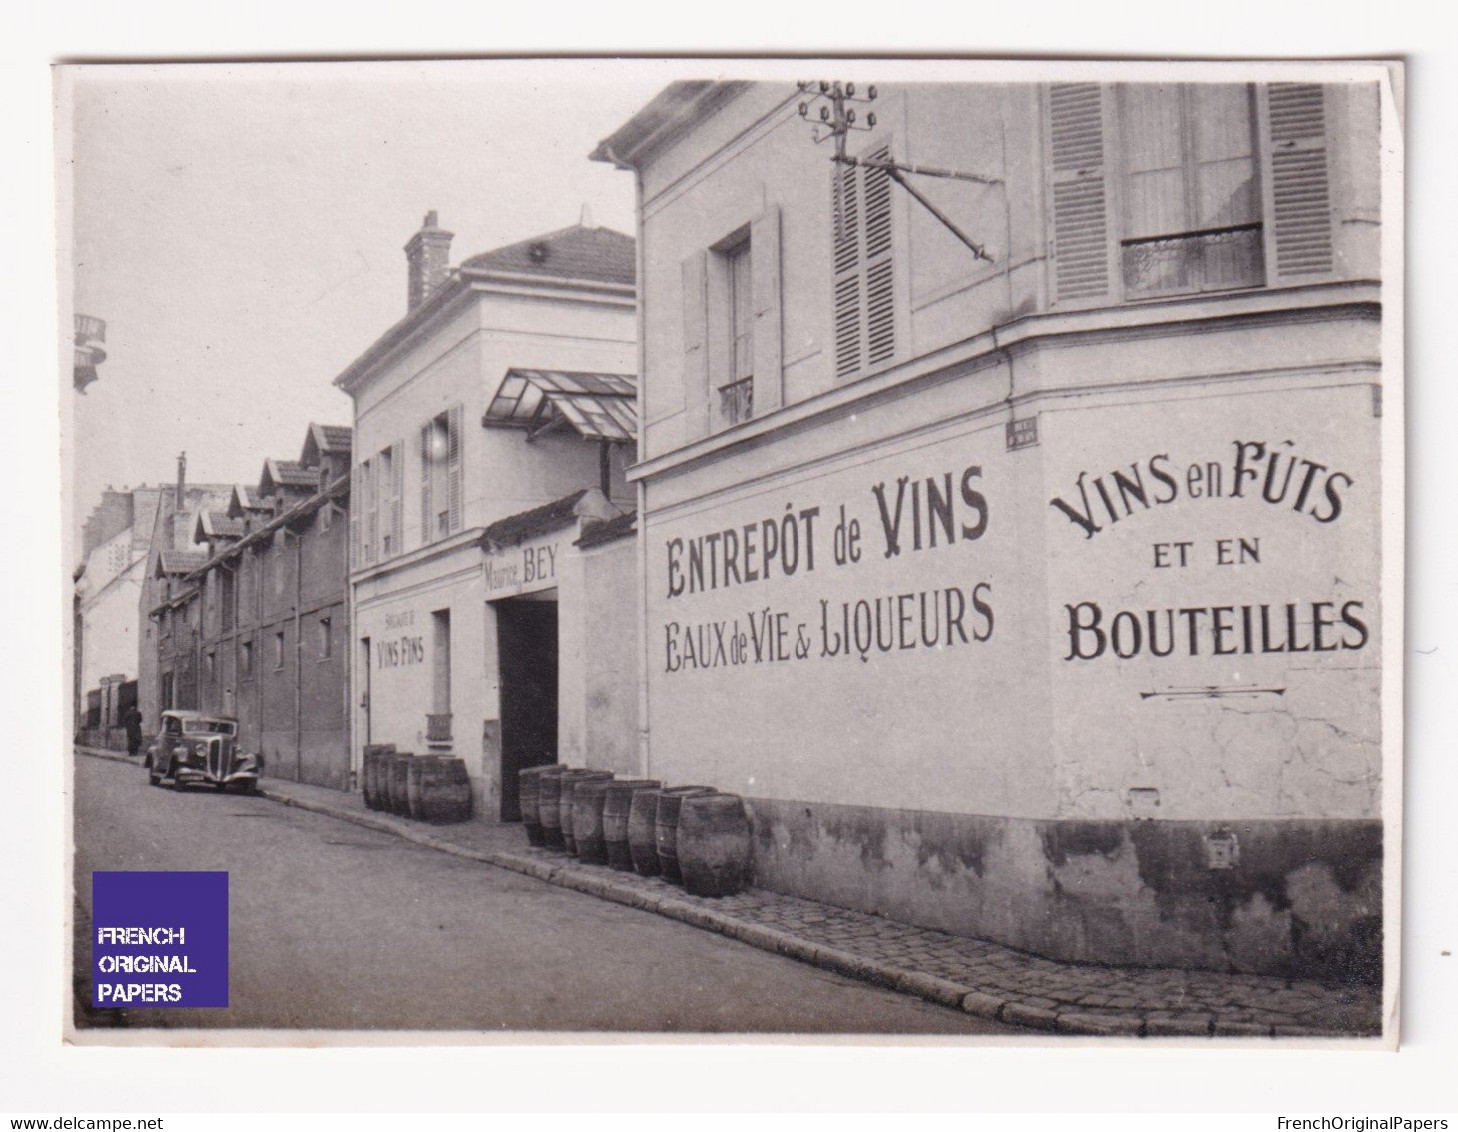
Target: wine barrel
[[588, 799], [616, 807], [549, 796], [529, 793], [665, 828], [384, 771], [445, 790], [371, 782], [414, 781], [642, 832], [714, 847], [565, 803], [397, 783]]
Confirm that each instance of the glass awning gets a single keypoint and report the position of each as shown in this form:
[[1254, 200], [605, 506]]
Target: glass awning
[[600, 406]]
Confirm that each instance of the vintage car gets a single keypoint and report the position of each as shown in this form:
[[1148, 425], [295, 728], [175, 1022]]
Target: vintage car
[[195, 747]]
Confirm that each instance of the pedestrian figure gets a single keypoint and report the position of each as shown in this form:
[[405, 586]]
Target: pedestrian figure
[[132, 721]]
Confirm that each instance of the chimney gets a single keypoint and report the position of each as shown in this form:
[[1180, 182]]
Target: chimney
[[428, 255], [181, 481]]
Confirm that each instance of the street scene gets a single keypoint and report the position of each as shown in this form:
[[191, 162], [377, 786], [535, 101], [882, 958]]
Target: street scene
[[338, 927], [740, 555]]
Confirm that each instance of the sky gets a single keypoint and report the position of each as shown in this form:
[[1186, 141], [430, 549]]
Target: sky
[[240, 227]]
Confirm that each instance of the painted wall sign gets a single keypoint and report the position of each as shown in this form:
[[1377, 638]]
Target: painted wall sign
[[914, 514], [1248, 480], [523, 569]]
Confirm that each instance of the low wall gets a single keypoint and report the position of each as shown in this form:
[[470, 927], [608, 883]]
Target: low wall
[[1303, 898]]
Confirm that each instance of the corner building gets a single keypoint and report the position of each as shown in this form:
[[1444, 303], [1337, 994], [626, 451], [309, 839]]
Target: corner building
[[1030, 595], [493, 427]]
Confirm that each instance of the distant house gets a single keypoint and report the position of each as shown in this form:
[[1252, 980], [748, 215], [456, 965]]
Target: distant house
[[251, 620]]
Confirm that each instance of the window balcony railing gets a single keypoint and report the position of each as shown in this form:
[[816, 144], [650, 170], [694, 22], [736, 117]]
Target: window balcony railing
[[736, 401], [438, 728]]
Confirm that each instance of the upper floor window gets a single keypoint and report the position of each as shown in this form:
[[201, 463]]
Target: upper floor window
[[733, 352], [736, 382], [1167, 189], [440, 475], [1192, 209]]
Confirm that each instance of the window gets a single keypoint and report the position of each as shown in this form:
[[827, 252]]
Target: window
[[210, 669], [385, 503], [440, 476], [326, 638], [733, 353], [736, 388], [441, 669], [245, 660], [278, 650], [863, 287], [1157, 189], [1192, 211]]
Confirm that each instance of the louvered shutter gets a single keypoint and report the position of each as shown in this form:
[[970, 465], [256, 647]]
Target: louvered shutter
[[453, 467], [427, 520], [397, 496], [694, 273], [880, 312], [372, 513], [1300, 182], [353, 521], [764, 252], [1078, 191], [861, 252]]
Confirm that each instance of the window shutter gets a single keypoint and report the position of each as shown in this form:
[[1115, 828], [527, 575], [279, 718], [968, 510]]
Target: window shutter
[[1078, 191], [1300, 182], [354, 491], [695, 277], [372, 513], [880, 320], [453, 466], [427, 520], [397, 496], [861, 253], [764, 251]]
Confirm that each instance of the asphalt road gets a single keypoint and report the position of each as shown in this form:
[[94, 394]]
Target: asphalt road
[[334, 926]]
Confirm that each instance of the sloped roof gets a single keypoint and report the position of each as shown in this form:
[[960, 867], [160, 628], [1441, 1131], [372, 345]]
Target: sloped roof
[[180, 561], [600, 406], [539, 520], [217, 524], [577, 252], [325, 439], [287, 473], [242, 500], [607, 530]]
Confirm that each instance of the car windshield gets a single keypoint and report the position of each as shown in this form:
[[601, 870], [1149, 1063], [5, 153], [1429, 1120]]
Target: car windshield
[[209, 727]]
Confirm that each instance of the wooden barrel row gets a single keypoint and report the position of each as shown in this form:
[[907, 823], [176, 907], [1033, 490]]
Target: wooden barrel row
[[432, 788], [690, 835]]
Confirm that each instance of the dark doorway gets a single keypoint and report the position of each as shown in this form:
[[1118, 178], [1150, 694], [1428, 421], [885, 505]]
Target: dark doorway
[[526, 635]]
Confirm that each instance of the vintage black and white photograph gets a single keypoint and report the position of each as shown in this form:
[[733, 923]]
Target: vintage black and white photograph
[[828, 548]]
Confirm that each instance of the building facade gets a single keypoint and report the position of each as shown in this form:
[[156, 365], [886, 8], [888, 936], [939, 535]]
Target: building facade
[[493, 425], [107, 588], [253, 621], [1025, 576]]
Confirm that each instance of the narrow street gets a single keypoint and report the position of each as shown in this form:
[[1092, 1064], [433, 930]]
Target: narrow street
[[338, 927]]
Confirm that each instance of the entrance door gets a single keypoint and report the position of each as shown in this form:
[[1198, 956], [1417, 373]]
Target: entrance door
[[526, 634], [364, 695]]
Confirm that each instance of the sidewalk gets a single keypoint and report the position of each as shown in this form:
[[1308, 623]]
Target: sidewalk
[[982, 978]]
